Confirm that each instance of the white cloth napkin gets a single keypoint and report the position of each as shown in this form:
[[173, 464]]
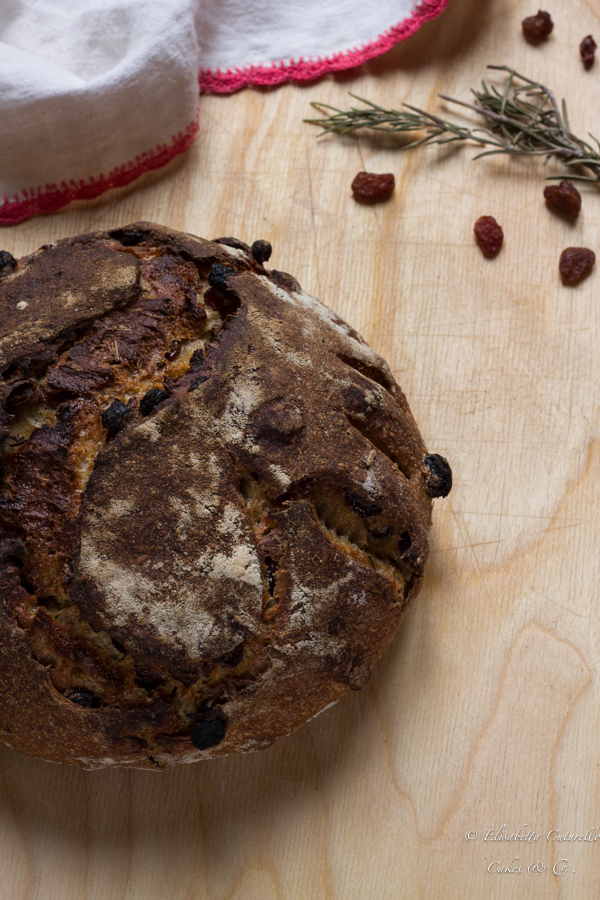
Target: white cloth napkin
[[95, 92]]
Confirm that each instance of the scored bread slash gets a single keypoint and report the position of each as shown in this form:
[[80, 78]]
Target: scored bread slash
[[214, 504]]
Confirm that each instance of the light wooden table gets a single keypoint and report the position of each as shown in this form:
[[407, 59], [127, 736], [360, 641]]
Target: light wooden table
[[485, 710]]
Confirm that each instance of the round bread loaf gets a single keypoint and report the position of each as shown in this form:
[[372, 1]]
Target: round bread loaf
[[214, 503]]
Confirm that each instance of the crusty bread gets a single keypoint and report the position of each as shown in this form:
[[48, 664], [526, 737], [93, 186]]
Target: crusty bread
[[214, 504]]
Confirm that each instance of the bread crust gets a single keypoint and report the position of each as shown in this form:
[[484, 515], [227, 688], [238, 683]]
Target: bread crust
[[241, 554]]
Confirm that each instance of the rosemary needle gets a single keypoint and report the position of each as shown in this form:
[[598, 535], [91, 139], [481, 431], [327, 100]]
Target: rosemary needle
[[523, 119]]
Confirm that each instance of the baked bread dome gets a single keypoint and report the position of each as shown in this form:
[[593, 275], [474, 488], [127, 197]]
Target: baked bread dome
[[214, 503]]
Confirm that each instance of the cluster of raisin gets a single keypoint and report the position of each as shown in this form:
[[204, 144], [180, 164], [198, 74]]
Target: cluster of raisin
[[576, 263], [538, 28]]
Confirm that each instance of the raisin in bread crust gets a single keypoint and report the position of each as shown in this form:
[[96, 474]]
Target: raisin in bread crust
[[237, 551]]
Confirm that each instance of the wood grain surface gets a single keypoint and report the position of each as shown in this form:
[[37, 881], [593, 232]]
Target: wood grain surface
[[485, 710]]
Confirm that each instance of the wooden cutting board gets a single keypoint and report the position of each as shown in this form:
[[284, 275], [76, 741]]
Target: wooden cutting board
[[485, 710]]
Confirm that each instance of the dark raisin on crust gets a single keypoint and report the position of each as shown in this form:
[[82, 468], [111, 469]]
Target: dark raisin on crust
[[363, 507], [358, 676], [84, 699], [174, 350], [152, 399], [405, 542], [115, 417], [438, 482], [132, 238], [208, 733], [219, 274], [7, 262], [261, 251]]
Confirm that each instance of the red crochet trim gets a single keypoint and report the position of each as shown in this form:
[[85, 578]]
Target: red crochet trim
[[307, 70], [50, 198]]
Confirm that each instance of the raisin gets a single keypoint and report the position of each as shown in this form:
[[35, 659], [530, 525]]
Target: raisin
[[405, 542], [438, 481], [65, 412], [587, 48], [369, 188], [7, 262], [261, 251], [489, 236], [83, 698], [219, 274], [358, 676], [271, 569], [132, 238], [564, 199], [364, 508], [115, 417], [174, 350], [207, 733], [537, 28], [151, 399], [576, 263]]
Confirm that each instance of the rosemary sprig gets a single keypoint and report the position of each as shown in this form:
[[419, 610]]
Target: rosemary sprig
[[524, 119]]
